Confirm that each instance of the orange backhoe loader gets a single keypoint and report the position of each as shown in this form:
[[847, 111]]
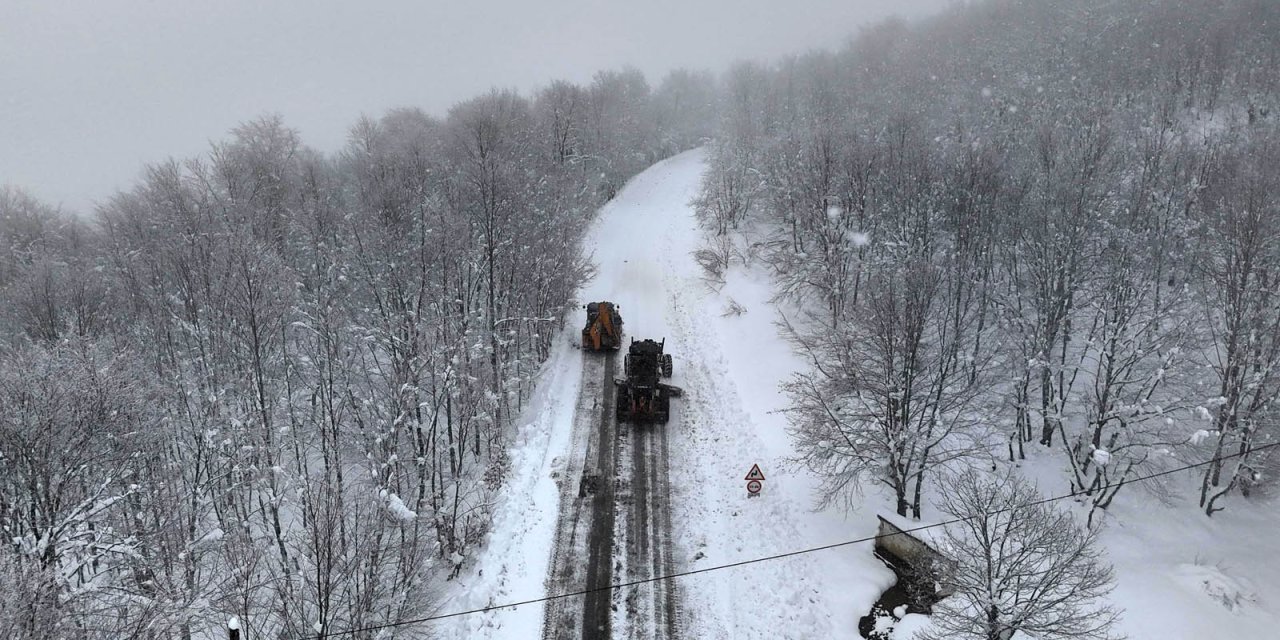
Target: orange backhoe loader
[[604, 327]]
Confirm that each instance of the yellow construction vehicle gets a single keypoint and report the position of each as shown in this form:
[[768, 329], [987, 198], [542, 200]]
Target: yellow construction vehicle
[[604, 327]]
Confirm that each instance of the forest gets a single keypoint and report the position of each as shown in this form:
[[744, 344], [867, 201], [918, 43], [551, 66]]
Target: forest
[[281, 382], [276, 382], [1032, 223]]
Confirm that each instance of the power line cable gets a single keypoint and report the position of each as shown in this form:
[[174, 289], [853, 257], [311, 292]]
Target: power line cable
[[797, 552]]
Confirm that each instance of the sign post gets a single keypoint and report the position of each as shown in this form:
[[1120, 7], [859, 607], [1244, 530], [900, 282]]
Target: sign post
[[755, 481]]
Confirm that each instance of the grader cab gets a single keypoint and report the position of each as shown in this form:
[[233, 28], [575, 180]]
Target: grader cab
[[642, 398]]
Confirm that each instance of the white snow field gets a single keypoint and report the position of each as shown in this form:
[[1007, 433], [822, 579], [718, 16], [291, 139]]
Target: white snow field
[[1180, 575]]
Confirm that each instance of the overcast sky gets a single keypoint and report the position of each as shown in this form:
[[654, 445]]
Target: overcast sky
[[91, 90]]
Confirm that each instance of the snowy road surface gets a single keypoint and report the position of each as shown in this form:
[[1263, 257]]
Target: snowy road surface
[[583, 549]]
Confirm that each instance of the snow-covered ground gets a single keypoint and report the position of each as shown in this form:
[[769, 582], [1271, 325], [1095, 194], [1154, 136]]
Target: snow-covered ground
[[1181, 575]]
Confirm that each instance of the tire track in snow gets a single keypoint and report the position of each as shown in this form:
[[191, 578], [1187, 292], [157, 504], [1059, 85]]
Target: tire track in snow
[[598, 605], [666, 597], [644, 528], [562, 617]]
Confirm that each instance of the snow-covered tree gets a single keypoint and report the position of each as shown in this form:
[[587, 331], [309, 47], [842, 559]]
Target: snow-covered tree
[[78, 427], [1049, 256], [889, 397], [1240, 211], [1141, 330], [1016, 564], [728, 190]]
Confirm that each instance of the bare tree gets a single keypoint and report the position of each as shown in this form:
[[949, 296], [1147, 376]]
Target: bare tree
[[29, 609], [72, 425], [1241, 206], [1049, 259], [684, 109], [29, 230], [1016, 564], [728, 190], [618, 127], [887, 397], [562, 109]]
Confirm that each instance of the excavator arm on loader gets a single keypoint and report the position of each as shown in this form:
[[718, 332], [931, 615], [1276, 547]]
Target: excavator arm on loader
[[604, 327]]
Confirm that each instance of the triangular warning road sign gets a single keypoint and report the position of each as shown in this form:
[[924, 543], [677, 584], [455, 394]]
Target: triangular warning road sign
[[755, 473]]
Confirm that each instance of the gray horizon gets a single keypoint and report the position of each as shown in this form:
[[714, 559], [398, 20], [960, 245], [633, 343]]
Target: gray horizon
[[95, 91]]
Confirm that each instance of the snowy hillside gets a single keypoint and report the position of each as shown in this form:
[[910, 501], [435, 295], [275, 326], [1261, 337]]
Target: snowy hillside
[[1004, 277], [1180, 575], [730, 366]]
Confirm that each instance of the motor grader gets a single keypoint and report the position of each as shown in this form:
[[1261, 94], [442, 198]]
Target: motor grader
[[642, 397], [604, 327]]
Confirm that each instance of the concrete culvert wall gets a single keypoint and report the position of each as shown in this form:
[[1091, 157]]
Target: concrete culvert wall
[[915, 564], [916, 556]]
